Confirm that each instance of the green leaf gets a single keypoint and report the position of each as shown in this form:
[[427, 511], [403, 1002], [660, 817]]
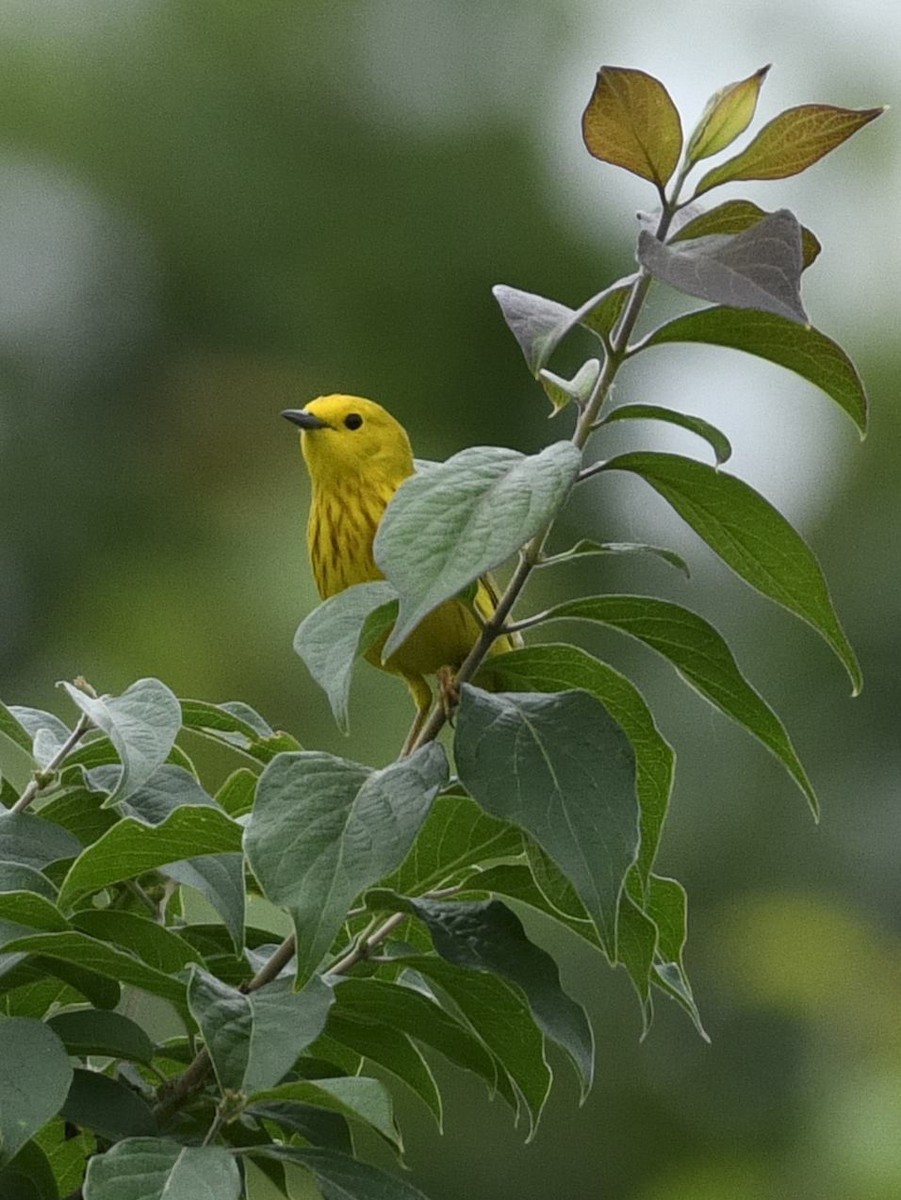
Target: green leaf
[[395, 1052], [16, 877], [236, 795], [586, 547], [791, 143], [801, 349], [757, 269], [540, 325], [81, 812], [32, 841], [377, 1001], [16, 770], [577, 390], [668, 908], [226, 1022], [517, 881], [29, 1176], [220, 879], [557, 668], [237, 726], [735, 216], [285, 1023], [489, 937], [750, 536], [160, 1169], [702, 658], [316, 1125], [170, 787], [338, 632], [14, 730], [717, 441], [107, 1107], [65, 1154], [501, 1018], [636, 943], [110, 1034], [323, 829], [132, 847], [154, 944], [99, 990], [34, 1078], [632, 123], [86, 952], [21, 912], [357, 1098], [141, 724], [449, 526], [337, 1176], [457, 837], [727, 114], [559, 766]]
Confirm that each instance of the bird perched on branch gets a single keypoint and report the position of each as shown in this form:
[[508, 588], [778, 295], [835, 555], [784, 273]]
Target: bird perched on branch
[[358, 455]]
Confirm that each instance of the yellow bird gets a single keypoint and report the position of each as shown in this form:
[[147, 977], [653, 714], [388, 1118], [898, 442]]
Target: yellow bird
[[358, 455]]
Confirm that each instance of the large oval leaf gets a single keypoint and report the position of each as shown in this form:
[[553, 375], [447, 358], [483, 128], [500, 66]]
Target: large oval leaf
[[448, 526], [34, 1079], [560, 767]]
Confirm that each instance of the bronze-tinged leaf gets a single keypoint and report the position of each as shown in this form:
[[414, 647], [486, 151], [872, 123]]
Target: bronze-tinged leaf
[[791, 143], [735, 216], [727, 114], [632, 123]]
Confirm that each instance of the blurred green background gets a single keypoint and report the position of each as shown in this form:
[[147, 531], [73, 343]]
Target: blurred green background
[[211, 211]]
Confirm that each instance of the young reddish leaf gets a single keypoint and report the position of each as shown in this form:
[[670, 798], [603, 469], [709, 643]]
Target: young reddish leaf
[[757, 269], [727, 113], [791, 143], [735, 216], [632, 123]]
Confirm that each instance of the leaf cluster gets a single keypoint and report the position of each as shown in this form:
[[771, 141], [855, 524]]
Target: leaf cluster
[[403, 885]]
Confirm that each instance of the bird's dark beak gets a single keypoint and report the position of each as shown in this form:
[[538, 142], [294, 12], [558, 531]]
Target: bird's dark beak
[[306, 420]]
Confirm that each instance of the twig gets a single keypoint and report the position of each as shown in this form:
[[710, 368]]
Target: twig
[[44, 777]]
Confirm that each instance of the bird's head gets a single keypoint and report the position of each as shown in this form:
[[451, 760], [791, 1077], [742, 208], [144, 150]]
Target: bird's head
[[343, 436]]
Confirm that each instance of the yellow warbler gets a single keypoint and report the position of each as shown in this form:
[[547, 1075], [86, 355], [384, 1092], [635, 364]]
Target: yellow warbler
[[358, 455]]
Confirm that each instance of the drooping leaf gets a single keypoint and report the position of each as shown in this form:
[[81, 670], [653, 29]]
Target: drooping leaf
[[324, 828], [160, 1169], [338, 632], [141, 724], [501, 1018], [717, 441], [727, 114], [447, 527], [28, 1176], [632, 123], [285, 1023], [791, 143], [395, 1053], [758, 269], [559, 766], [317, 1125], [420, 1017], [702, 658], [17, 877], [34, 1078], [735, 216], [801, 349], [668, 908], [220, 879], [750, 536], [235, 796], [636, 944], [489, 937]]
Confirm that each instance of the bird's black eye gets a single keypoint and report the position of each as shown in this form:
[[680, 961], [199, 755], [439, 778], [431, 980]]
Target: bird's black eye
[[353, 421]]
